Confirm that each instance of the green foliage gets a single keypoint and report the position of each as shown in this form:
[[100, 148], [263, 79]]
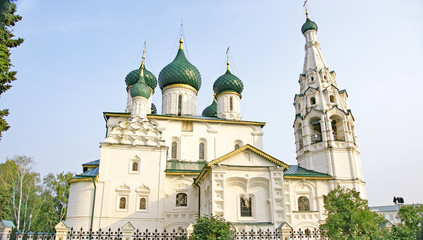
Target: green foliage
[[7, 41], [32, 204], [212, 228], [55, 196], [349, 217], [411, 226], [4, 204]]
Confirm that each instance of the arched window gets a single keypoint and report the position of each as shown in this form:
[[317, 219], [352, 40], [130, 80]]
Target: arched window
[[179, 105], [143, 203], [122, 203], [174, 150], [135, 166], [332, 98], [312, 100], [231, 103], [303, 204], [337, 128], [300, 136], [201, 151], [181, 200], [316, 130], [246, 210]]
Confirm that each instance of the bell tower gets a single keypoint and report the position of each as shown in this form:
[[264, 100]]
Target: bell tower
[[324, 125]]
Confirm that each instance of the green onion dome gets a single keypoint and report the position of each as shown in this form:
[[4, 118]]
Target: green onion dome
[[153, 109], [309, 25], [140, 89], [134, 76], [228, 83], [180, 71], [210, 111]]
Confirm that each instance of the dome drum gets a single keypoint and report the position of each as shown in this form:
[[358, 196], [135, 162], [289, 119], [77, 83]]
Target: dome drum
[[180, 85]]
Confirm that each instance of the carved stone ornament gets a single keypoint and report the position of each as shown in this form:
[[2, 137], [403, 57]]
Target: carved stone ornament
[[123, 188], [143, 189], [135, 131]]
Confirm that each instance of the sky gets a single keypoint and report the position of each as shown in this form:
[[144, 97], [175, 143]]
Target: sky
[[72, 65]]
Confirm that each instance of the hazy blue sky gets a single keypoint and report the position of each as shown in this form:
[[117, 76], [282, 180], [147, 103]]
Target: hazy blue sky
[[76, 54]]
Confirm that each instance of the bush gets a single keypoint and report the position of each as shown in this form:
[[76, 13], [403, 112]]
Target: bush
[[212, 228]]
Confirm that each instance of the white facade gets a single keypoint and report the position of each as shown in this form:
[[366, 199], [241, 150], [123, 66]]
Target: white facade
[[162, 171]]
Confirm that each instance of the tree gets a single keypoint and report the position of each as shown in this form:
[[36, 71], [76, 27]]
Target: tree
[[55, 196], [212, 228], [7, 41], [23, 186], [349, 217], [411, 226]]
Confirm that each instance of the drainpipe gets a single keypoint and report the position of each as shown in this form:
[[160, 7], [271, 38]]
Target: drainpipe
[[92, 210], [199, 197]]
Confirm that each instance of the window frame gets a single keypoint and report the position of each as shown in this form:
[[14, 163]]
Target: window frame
[[118, 199], [186, 200], [308, 201]]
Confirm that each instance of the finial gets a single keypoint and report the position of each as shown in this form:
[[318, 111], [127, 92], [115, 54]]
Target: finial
[[305, 6], [143, 59], [227, 59], [181, 41]]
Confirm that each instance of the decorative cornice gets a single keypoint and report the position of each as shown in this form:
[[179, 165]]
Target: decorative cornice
[[180, 85], [308, 177], [182, 173], [186, 118], [231, 92]]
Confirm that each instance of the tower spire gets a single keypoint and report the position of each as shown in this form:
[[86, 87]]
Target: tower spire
[[143, 60], [227, 59], [181, 40], [305, 6]]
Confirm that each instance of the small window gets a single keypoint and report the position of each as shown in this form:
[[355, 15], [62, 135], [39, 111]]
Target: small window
[[236, 146], [325, 77], [303, 204], [181, 200], [246, 210], [174, 150], [201, 151], [143, 203], [135, 166], [179, 105], [312, 101], [332, 98], [231, 103], [122, 203], [312, 79]]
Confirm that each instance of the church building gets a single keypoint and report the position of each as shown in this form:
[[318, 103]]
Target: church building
[[163, 170]]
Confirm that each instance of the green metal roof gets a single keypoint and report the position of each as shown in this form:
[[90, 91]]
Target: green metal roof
[[180, 71], [92, 163], [134, 76], [153, 109], [297, 171], [183, 166], [228, 82], [309, 25], [88, 174], [210, 111]]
